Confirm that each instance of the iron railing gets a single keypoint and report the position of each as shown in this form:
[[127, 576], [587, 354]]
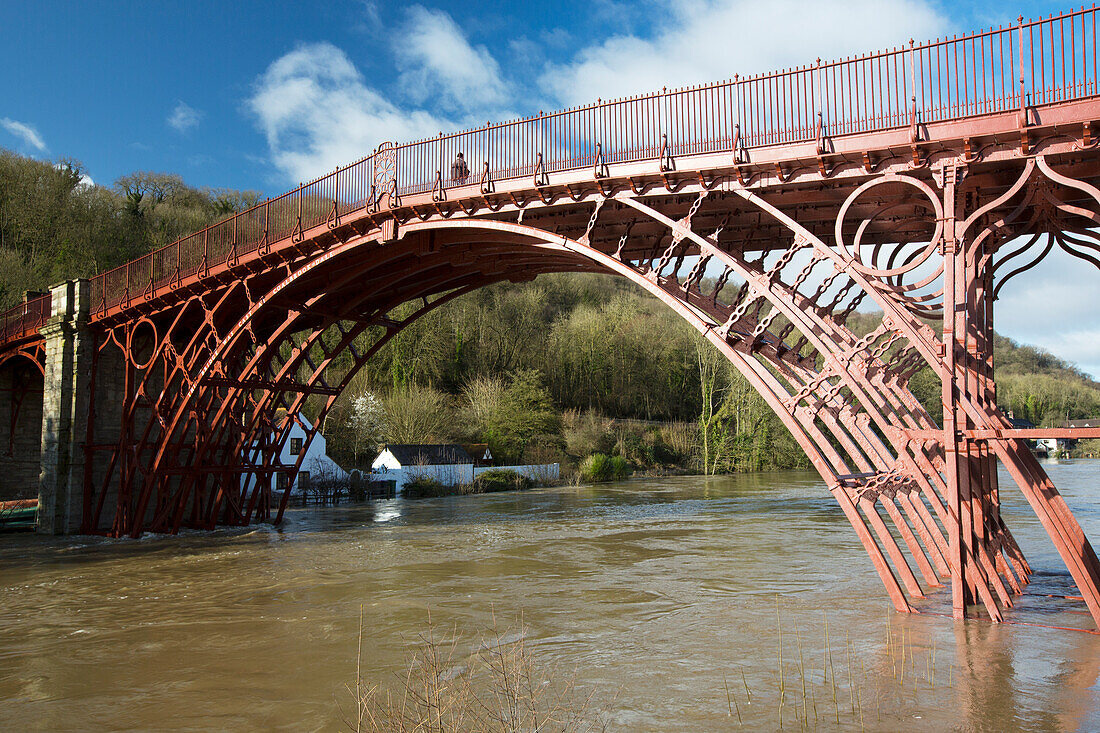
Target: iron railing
[[1003, 69], [25, 318]]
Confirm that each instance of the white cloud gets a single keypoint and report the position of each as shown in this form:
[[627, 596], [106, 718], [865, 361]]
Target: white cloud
[[1054, 306], [85, 180], [440, 64], [24, 132], [184, 117], [711, 40], [318, 113]]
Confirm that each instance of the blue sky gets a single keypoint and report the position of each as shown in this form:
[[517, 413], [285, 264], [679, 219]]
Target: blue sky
[[259, 95], [123, 86]]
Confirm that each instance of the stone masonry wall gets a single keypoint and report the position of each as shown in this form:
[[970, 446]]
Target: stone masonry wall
[[66, 390], [20, 454]]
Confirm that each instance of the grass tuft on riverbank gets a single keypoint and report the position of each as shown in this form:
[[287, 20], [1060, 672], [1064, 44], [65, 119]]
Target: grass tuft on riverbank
[[499, 686], [599, 467]]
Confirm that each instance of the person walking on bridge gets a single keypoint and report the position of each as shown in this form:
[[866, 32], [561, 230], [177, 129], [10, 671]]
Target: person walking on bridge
[[459, 170]]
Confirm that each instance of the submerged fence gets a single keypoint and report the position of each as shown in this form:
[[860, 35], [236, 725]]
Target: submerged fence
[[998, 70]]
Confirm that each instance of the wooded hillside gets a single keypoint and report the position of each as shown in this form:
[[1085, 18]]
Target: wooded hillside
[[54, 226], [555, 369]]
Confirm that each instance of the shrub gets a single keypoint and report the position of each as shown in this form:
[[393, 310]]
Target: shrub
[[594, 468], [501, 480], [423, 487], [618, 468], [586, 433], [599, 467]]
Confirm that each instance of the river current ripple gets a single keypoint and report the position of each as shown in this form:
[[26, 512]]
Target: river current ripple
[[666, 597]]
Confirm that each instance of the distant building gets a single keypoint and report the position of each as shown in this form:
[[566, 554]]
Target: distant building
[[1053, 446], [448, 464], [1088, 422], [1020, 423], [1058, 445], [480, 453], [1048, 446], [316, 464]]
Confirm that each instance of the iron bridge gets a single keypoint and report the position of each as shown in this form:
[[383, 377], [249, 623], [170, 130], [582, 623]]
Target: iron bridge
[[764, 210]]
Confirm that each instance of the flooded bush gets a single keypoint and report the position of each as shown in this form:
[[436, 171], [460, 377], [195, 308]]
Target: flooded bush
[[426, 487], [619, 468], [421, 487], [600, 467], [501, 480]]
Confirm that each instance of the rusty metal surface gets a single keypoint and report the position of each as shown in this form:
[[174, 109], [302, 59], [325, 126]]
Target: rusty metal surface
[[763, 210]]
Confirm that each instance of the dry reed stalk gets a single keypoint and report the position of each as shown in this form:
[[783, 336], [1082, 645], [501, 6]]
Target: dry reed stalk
[[731, 702], [859, 702], [933, 662], [358, 672], [831, 676], [498, 688], [802, 674], [782, 685]]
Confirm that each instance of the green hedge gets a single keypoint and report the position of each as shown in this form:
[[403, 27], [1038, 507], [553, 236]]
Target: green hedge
[[599, 467], [500, 479], [425, 486]]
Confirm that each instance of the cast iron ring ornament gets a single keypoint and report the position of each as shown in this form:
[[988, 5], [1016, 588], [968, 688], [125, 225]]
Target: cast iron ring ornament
[[911, 262], [889, 263], [154, 340]]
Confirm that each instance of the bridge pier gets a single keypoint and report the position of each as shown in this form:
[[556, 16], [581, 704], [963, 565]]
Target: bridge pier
[[66, 395]]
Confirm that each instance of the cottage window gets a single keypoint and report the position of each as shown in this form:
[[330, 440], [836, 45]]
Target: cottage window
[[282, 481], [295, 446]]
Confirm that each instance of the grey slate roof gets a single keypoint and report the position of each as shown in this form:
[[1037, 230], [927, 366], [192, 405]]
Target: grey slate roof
[[1088, 422], [413, 454]]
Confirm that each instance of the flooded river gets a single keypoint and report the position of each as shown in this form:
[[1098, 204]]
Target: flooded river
[[670, 600]]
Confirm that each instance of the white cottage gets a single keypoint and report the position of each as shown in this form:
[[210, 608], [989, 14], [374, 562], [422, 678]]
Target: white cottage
[[448, 464], [316, 465]]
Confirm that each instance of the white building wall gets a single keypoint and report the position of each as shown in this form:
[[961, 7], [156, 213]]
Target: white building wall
[[315, 462], [386, 461], [448, 475], [1053, 445], [386, 467], [544, 472], [451, 475]]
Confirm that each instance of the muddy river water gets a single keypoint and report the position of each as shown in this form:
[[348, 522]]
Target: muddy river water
[[668, 600]]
